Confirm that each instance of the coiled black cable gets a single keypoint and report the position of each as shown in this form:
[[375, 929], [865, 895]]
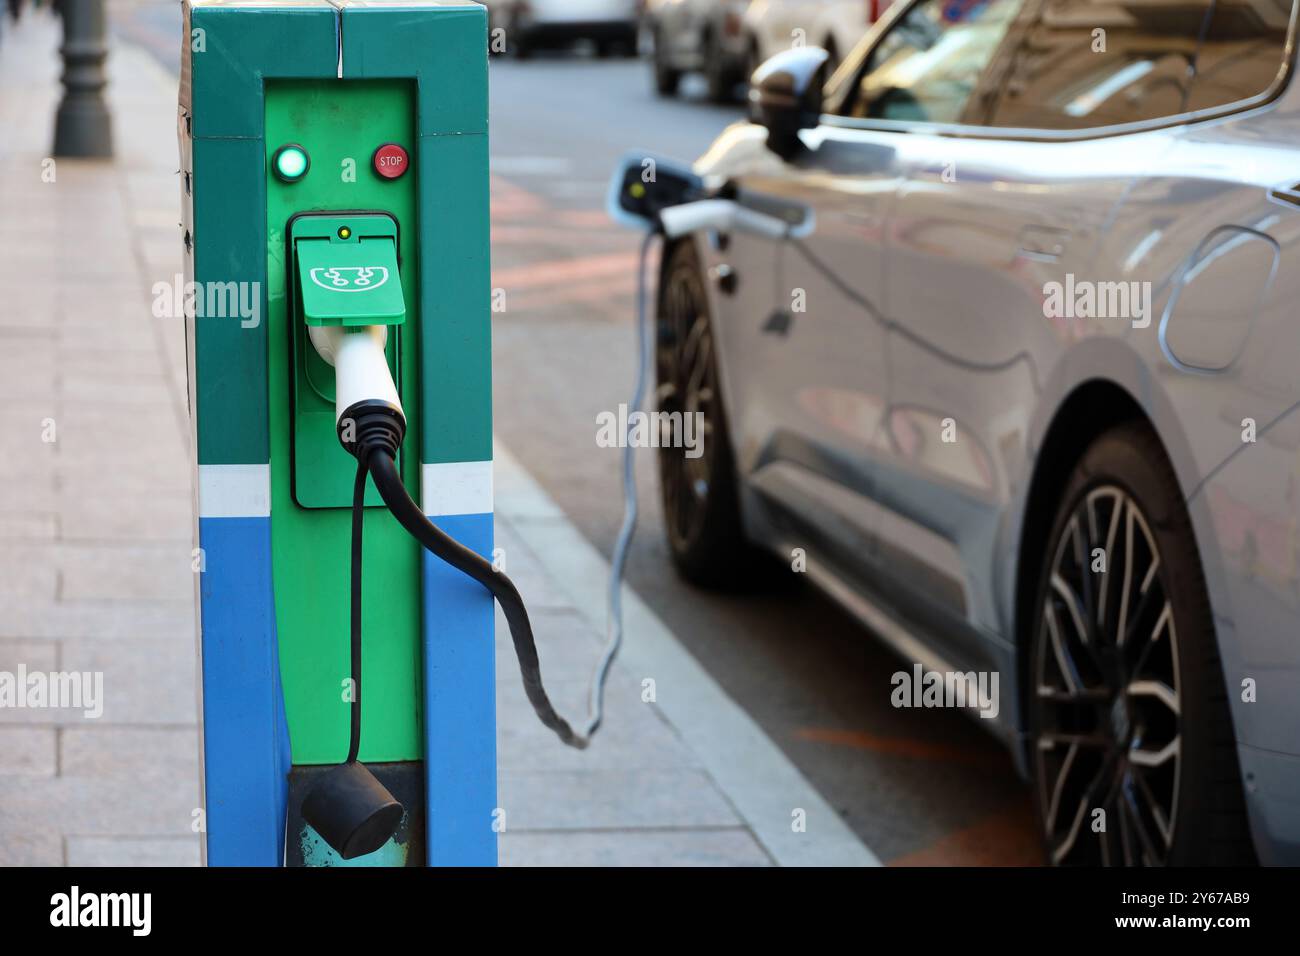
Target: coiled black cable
[[383, 469]]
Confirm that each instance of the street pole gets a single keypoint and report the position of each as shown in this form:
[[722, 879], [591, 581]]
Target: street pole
[[82, 126]]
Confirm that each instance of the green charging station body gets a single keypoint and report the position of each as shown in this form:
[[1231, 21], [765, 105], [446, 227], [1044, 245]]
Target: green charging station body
[[335, 171]]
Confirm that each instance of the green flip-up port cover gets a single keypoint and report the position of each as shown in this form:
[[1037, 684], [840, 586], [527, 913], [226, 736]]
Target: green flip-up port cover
[[350, 283]]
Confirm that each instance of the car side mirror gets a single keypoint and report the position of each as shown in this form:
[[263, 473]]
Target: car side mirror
[[785, 95]]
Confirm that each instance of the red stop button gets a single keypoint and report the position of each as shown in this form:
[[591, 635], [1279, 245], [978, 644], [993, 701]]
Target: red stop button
[[390, 161]]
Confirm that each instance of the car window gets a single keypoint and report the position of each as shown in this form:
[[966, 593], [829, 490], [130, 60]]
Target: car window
[[933, 62], [1091, 63], [1243, 51]]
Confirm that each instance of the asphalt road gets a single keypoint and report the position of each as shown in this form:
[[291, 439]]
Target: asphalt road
[[919, 787]]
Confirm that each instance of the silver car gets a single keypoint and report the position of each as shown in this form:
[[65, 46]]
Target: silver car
[[1022, 390]]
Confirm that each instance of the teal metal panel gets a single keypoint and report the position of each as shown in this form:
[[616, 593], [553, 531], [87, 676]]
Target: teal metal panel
[[231, 351], [456, 291], [443, 45], [233, 46]]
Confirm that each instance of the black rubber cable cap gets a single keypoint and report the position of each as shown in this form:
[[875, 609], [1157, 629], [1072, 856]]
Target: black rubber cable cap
[[352, 811]]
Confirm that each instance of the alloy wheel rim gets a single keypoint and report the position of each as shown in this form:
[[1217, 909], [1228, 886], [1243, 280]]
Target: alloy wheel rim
[[1108, 708], [686, 386]]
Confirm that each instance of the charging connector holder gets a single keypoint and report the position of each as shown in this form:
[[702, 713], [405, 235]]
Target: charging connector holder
[[344, 275]]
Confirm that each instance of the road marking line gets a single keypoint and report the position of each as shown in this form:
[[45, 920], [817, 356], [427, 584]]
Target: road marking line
[[762, 784]]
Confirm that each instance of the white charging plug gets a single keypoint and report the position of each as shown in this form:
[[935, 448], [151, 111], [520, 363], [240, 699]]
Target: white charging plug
[[361, 372], [727, 215]]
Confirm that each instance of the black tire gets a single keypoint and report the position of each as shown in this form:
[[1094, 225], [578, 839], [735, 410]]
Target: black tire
[[621, 44], [666, 79], [519, 42], [700, 496], [1127, 705], [718, 74]]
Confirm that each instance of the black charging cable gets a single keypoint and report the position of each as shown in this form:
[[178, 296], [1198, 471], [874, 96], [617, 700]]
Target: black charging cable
[[358, 527], [383, 469], [373, 430]]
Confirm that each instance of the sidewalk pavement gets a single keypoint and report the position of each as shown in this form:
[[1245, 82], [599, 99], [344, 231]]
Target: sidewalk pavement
[[95, 559]]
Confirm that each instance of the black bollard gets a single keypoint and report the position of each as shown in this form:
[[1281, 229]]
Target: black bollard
[[82, 126]]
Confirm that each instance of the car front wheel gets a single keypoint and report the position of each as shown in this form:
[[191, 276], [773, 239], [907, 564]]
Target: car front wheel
[[700, 489], [1133, 754]]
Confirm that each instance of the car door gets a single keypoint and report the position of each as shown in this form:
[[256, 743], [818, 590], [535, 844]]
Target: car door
[[1001, 209], [803, 336]]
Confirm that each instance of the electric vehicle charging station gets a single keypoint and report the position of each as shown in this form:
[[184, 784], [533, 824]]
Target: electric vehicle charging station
[[335, 162], [335, 175]]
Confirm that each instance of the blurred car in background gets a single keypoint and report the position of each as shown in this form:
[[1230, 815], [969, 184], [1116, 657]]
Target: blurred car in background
[[726, 40], [703, 36], [834, 25], [1025, 396], [533, 24]]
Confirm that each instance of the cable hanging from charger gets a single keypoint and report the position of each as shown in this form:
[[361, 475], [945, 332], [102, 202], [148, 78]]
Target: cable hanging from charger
[[375, 433], [373, 430]]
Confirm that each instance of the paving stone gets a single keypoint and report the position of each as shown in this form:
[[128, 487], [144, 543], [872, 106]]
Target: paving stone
[[98, 619], [169, 517], [633, 735], [23, 579], [119, 851], [170, 753], [34, 655], [566, 643], [95, 806], [154, 683], [727, 847], [526, 571], [28, 526], [28, 751], [117, 572], [30, 849], [605, 799], [20, 493]]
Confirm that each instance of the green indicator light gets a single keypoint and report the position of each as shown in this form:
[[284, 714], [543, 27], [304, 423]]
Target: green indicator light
[[290, 163]]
